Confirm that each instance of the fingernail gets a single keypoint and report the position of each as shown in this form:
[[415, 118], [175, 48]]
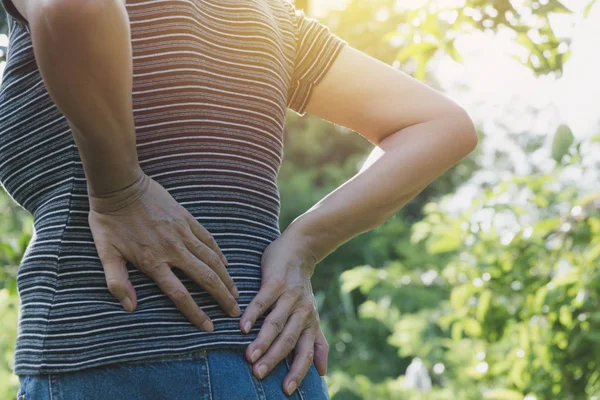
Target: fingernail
[[247, 327], [127, 303], [236, 311], [291, 387], [208, 326], [262, 370], [254, 356]]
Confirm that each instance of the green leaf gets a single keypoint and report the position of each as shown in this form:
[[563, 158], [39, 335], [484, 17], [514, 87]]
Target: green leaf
[[472, 327], [565, 317], [563, 139], [453, 52], [459, 296], [457, 329], [444, 239], [363, 277], [587, 9], [483, 304], [540, 299]]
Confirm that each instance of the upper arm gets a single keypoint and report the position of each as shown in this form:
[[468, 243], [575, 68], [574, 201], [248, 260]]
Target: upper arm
[[371, 97], [20, 9], [334, 81]]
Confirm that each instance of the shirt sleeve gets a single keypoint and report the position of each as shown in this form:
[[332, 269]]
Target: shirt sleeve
[[12, 11], [316, 48]]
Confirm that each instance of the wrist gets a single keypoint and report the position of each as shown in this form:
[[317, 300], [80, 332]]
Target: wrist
[[304, 241], [118, 199]]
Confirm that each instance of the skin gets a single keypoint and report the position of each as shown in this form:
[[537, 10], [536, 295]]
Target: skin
[[417, 133]]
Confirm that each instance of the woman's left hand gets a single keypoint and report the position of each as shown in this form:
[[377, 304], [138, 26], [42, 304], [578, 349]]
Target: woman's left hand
[[293, 322]]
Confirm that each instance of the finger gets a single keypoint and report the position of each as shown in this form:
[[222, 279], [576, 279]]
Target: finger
[[172, 287], [282, 346], [321, 352], [210, 281], [212, 259], [117, 280], [273, 325], [264, 299], [205, 236], [303, 360]]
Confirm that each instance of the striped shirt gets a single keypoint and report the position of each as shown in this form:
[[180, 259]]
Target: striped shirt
[[212, 82]]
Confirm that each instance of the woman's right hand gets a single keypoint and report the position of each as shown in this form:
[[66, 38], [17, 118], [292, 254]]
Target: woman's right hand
[[145, 225]]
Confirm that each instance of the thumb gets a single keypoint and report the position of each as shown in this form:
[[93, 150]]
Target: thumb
[[117, 280]]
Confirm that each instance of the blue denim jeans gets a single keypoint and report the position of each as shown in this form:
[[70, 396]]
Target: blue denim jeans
[[213, 374]]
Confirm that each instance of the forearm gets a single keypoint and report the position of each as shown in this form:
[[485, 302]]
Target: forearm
[[83, 50], [399, 168]]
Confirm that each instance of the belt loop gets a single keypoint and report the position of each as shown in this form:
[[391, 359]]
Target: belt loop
[[206, 389], [199, 354]]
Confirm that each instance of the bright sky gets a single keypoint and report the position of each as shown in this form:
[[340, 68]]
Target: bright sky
[[506, 99], [494, 76]]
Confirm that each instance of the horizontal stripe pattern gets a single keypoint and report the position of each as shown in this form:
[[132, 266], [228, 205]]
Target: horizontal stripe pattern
[[212, 82]]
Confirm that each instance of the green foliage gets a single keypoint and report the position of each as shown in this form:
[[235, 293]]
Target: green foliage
[[412, 36], [501, 300], [563, 139], [15, 233], [514, 309]]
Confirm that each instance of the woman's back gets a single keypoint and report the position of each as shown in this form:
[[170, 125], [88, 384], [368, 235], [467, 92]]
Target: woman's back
[[212, 81]]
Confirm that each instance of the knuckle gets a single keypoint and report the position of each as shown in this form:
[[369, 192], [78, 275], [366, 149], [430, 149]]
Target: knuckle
[[180, 225], [289, 341], [294, 293], [173, 243], [210, 278], [148, 258], [211, 241], [179, 295], [277, 284], [306, 310], [277, 324], [310, 355], [115, 285], [152, 268], [261, 305], [195, 246], [160, 225], [214, 259]]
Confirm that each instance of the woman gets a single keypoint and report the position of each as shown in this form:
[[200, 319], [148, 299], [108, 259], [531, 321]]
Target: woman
[[145, 138]]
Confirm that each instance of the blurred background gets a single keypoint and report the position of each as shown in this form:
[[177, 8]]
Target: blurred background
[[487, 285]]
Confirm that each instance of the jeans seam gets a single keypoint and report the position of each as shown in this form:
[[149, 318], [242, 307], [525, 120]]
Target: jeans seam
[[23, 388], [51, 388], [260, 391], [208, 376]]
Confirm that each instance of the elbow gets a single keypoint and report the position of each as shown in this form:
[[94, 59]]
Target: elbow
[[462, 128]]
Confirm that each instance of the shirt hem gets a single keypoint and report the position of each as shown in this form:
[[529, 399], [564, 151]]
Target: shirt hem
[[182, 354]]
